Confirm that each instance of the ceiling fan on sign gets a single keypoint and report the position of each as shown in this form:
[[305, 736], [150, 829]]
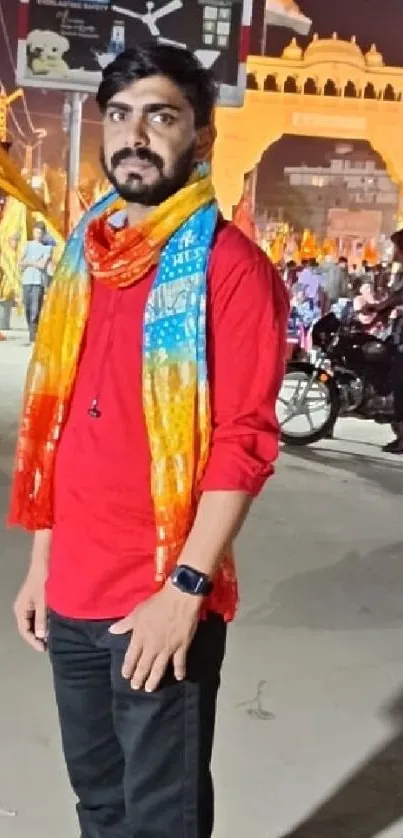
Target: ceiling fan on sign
[[150, 19]]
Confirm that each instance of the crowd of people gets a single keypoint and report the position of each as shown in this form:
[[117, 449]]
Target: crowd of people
[[370, 296], [315, 290]]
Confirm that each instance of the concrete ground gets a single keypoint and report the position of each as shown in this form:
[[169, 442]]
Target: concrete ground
[[310, 729]]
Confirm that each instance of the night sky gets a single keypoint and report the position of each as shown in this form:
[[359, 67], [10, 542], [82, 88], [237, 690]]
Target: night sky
[[379, 21]]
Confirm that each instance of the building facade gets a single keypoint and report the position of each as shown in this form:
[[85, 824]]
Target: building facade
[[350, 184]]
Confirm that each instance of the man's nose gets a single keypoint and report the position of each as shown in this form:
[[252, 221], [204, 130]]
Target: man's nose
[[137, 134]]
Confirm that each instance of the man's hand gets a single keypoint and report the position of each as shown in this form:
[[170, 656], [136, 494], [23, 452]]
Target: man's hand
[[162, 630], [30, 609]]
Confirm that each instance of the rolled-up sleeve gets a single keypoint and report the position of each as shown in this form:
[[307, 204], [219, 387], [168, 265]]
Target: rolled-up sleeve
[[247, 328]]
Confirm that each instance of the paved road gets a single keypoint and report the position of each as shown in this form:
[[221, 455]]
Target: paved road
[[310, 732]]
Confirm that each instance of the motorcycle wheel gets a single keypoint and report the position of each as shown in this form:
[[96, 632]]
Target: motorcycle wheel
[[322, 398]]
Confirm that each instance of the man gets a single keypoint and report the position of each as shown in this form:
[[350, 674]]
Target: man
[[337, 282], [309, 279], [290, 275], [392, 306], [158, 363], [34, 277], [50, 270]]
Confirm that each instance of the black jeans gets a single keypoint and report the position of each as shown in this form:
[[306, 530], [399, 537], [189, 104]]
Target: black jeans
[[397, 384], [33, 301], [139, 763]]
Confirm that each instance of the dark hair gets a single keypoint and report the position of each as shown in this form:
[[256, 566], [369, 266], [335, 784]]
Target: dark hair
[[153, 59], [355, 286]]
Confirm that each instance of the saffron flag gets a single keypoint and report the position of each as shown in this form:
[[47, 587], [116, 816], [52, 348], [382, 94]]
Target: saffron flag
[[286, 13], [243, 218], [243, 214]]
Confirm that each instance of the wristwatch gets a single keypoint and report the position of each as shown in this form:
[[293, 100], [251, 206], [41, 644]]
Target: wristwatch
[[191, 581]]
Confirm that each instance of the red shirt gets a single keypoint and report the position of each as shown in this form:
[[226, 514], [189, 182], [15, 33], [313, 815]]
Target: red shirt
[[102, 557]]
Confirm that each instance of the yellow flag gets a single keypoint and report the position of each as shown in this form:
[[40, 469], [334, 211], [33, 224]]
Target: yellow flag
[[13, 238]]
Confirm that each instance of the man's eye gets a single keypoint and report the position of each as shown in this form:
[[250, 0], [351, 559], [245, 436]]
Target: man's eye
[[117, 116], [162, 118]]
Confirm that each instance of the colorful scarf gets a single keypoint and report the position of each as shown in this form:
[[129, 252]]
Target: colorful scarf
[[177, 236]]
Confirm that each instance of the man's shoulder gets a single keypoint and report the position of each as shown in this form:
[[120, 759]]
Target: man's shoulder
[[232, 250], [239, 268]]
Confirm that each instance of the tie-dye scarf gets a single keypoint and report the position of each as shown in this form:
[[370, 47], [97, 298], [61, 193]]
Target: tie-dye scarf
[[177, 236]]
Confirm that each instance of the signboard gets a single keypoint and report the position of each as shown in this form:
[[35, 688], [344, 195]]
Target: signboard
[[65, 44], [330, 122], [362, 224]]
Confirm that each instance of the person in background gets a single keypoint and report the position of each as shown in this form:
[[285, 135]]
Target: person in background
[[50, 270], [303, 313], [310, 280], [34, 277], [142, 446], [392, 305], [346, 312], [336, 286], [369, 295], [290, 275]]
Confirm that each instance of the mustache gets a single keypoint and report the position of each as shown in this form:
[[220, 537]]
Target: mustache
[[143, 154]]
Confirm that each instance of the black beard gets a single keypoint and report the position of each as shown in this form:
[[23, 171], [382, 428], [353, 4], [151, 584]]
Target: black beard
[[150, 195]]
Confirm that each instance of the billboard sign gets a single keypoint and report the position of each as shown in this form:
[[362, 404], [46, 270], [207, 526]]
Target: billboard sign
[[65, 44], [363, 224]]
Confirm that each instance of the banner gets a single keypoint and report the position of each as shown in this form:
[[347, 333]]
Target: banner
[[364, 224], [65, 44]]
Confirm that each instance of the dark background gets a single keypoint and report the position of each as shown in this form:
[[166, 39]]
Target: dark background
[[372, 21], [379, 21]]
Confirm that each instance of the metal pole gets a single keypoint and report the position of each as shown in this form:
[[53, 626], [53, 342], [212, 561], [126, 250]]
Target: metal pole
[[255, 171], [76, 121], [29, 149], [264, 36], [72, 119], [39, 157]]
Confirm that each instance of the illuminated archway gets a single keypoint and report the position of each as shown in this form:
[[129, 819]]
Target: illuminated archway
[[244, 134]]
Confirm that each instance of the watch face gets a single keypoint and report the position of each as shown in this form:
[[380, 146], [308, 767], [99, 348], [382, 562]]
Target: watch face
[[191, 581], [185, 580]]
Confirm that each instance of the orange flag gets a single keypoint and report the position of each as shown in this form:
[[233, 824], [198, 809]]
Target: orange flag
[[243, 218]]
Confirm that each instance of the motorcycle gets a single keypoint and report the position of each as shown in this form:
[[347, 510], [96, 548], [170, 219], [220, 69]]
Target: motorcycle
[[348, 373]]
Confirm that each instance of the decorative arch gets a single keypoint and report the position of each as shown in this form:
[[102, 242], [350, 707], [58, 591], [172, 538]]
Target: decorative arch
[[389, 94], [270, 84], [251, 82], [330, 88], [350, 90], [369, 91], [290, 85], [245, 134], [310, 87]]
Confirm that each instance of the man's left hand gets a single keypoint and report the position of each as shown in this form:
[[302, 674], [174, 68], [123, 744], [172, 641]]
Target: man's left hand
[[162, 631]]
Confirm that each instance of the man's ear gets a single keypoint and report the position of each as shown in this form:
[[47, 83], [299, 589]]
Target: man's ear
[[204, 143]]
